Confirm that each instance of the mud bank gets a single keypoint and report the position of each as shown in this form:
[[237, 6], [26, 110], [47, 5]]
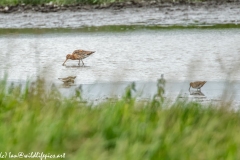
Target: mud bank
[[52, 7], [158, 14]]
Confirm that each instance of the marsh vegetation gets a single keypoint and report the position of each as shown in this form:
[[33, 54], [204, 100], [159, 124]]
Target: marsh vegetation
[[36, 119]]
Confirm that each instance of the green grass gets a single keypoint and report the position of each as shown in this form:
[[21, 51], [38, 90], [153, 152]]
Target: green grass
[[34, 119], [113, 28]]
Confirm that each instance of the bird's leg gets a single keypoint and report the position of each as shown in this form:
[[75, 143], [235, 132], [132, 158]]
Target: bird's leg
[[64, 62], [79, 62], [82, 62]]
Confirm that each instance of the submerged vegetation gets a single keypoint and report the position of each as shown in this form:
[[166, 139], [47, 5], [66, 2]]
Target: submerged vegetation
[[113, 28], [35, 119]]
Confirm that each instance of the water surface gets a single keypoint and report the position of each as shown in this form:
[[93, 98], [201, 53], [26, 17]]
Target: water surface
[[126, 55]]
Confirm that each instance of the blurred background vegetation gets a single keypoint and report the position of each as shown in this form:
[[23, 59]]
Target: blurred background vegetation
[[36, 119]]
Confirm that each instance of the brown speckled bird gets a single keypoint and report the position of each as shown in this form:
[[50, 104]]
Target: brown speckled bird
[[68, 80], [78, 55], [197, 84]]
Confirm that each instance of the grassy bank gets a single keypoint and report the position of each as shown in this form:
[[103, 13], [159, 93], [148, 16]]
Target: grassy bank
[[113, 28], [73, 2], [33, 119]]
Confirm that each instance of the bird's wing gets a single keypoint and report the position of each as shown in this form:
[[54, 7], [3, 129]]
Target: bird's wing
[[68, 78], [82, 52], [64, 79], [72, 77]]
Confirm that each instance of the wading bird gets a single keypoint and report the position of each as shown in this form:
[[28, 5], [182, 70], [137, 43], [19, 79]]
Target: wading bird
[[197, 84], [78, 55], [68, 80]]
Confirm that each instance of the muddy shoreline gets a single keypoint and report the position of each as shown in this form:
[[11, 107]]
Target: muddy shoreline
[[162, 14], [50, 7]]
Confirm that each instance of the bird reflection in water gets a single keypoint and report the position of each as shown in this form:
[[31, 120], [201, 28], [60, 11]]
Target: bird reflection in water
[[68, 81], [196, 93]]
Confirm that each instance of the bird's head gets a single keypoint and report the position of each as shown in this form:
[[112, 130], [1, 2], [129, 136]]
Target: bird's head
[[191, 84], [69, 56]]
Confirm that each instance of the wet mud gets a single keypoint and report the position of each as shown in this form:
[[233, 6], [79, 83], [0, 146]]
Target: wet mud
[[157, 14]]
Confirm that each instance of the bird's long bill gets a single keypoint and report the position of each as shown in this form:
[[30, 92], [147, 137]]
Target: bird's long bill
[[90, 52], [64, 61], [189, 88]]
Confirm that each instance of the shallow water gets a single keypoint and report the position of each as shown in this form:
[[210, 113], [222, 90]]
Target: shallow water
[[224, 93], [127, 55], [212, 91]]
